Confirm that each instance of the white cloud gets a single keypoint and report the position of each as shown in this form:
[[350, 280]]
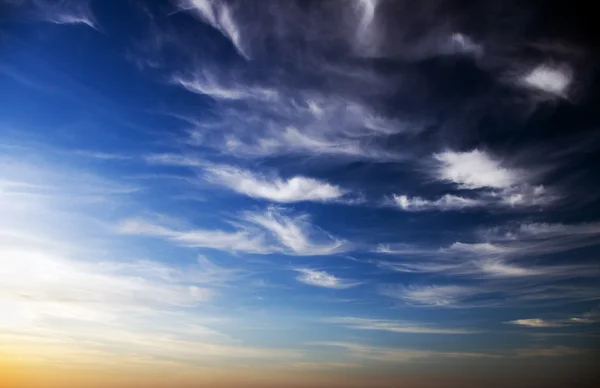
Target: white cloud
[[402, 249], [446, 202], [487, 266], [523, 195], [296, 141], [294, 189], [433, 295], [296, 234], [304, 124], [502, 269], [589, 317], [474, 169], [100, 155], [322, 279], [66, 12], [478, 248], [549, 79], [536, 322], [393, 326], [519, 196]]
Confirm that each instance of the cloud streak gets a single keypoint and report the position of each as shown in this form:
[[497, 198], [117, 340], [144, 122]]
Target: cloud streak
[[294, 189], [491, 185], [444, 203], [248, 241], [220, 16], [263, 233], [393, 326], [393, 355], [296, 234], [323, 279]]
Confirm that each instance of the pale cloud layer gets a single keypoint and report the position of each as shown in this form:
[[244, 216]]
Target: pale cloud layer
[[58, 12]]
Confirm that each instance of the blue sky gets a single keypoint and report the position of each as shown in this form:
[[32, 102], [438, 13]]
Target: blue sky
[[308, 187]]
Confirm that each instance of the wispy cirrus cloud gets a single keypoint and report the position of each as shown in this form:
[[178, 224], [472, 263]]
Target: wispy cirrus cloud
[[505, 252], [590, 317], [220, 16], [294, 189], [282, 122], [490, 183], [70, 294], [494, 292], [295, 233], [432, 295], [171, 159], [260, 232], [392, 355], [476, 169], [492, 268], [101, 155], [393, 326], [323, 279], [446, 202], [536, 322], [59, 12], [207, 84]]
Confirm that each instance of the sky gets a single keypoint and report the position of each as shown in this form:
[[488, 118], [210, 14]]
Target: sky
[[340, 193]]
